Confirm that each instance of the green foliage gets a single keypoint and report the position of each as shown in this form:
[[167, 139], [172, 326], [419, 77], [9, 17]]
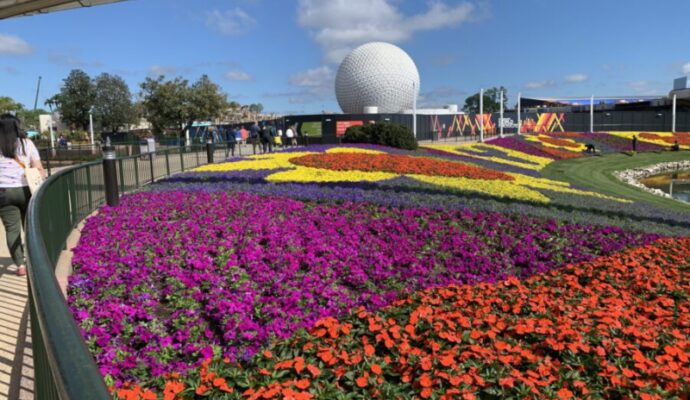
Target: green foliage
[[175, 105], [383, 133], [256, 108], [7, 104], [113, 106], [75, 99], [29, 118], [491, 100]]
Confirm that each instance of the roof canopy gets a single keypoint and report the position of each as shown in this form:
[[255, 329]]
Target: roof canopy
[[14, 8]]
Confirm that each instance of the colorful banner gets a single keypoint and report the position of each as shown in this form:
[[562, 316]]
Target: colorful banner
[[341, 126], [545, 123]]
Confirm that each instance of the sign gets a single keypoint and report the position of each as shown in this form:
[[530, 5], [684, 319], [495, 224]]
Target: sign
[[341, 126]]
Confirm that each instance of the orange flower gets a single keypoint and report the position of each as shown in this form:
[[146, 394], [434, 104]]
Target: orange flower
[[425, 380], [302, 384], [362, 381], [399, 164], [376, 369]]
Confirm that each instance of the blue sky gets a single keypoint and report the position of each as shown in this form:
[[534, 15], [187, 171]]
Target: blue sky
[[285, 53]]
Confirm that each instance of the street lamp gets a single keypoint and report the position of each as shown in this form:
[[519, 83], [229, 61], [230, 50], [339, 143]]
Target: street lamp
[[91, 127]]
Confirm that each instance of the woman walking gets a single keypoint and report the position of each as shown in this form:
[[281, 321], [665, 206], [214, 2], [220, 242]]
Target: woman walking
[[18, 152]]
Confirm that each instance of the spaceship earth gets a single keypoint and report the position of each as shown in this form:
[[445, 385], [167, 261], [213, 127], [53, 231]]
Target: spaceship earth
[[376, 74]]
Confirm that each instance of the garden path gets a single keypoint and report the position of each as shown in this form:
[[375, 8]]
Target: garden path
[[16, 361]]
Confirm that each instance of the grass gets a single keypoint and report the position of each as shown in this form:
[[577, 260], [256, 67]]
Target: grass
[[597, 173]]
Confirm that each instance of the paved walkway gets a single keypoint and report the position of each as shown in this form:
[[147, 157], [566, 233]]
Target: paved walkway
[[16, 361]]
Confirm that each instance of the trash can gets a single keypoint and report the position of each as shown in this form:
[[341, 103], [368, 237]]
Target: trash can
[[147, 146]]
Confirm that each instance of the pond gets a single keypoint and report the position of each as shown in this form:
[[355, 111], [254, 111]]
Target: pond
[[680, 189]]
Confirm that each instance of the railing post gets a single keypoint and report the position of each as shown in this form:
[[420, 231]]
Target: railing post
[[209, 150], [167, 162], [110, 174], [151, 164]]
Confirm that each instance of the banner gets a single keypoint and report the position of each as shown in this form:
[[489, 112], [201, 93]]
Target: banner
[[341, 126]]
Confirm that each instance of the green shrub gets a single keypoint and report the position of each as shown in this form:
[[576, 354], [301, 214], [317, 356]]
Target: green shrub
[[383, 133]]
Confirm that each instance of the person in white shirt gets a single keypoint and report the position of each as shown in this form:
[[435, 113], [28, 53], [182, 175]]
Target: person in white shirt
[[18, 152], [290, 136]]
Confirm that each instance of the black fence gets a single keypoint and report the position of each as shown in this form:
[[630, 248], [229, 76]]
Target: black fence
[[328, 128]]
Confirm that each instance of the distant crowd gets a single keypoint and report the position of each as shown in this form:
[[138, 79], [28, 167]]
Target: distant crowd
[[264, 136]]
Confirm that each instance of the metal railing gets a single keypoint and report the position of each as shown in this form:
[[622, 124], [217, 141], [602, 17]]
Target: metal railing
[[63, 365]]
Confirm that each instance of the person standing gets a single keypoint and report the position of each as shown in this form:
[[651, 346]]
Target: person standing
[[18, 152], [634, 143], [254, 135], [266, 139], [279, 138], [230, 136], [289, 136]]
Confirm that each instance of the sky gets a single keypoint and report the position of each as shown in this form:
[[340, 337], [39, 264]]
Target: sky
[[285, 53]]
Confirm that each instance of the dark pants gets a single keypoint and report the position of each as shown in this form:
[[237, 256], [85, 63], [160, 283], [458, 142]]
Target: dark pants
[[13, 202], [231, 145], [268, 144], [255, 142]]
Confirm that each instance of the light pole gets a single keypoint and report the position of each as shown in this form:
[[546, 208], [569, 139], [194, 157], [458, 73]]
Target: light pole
[[501, 118], [414, 110], [673, 121], [518, 114], [91, 128], [481, 115], [591, 114]]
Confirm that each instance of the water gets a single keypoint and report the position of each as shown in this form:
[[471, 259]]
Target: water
[[681, 190]]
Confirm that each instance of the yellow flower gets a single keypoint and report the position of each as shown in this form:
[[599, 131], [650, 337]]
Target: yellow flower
[[308, 174], [496, 188], [534, 163], [576, 147], [273, 160], [522, 188]]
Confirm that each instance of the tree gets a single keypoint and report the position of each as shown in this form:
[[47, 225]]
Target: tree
[[176, 105], [491, 100], [7, 105], [75, 99], [112, 102], [29, 118], [206, 101], [256, 108], [163, 102]]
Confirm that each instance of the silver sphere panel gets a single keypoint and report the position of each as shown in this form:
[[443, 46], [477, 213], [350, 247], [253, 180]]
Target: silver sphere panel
[[376, 74]]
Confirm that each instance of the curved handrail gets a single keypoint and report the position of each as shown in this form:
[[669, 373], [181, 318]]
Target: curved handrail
[[63, 365], [71, 367]]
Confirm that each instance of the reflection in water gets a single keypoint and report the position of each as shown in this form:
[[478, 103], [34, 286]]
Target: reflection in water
[[681, 184]]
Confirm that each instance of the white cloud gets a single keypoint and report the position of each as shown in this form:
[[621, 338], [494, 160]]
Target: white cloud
[[68, 59], [162, 70], [643, 87], [339, 25], [686, 68], [576, 78], [15, 45], [314, 77], [230, 22], [238, 76], [540, 84]]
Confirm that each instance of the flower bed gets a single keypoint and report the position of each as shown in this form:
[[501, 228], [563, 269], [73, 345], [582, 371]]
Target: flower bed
[[165, 279], [612, 327], [521, 146], [398, 164]]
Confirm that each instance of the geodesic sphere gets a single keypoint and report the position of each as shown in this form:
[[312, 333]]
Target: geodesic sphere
[[376, 74]]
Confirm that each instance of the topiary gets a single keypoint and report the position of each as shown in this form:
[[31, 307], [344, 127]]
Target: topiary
[[383, 133]]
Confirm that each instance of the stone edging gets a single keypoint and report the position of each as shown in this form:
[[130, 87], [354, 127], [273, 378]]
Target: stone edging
[[633, 176]]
